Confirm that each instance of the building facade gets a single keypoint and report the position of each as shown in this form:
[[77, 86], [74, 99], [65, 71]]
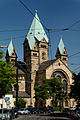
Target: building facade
[[39, 67]]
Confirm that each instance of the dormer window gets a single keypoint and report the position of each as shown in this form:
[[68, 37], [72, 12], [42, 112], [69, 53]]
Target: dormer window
[[13, 54], [38, 32], [30, 33], [34, 48], [64, 52]]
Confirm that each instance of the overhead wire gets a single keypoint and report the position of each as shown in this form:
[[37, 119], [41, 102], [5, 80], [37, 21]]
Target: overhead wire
[[74, 54], [25, 6]]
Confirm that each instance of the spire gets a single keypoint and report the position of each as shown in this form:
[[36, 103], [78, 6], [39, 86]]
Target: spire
[[61, 52], [36, 30], [61, 46], [10, 48], [11, 54]]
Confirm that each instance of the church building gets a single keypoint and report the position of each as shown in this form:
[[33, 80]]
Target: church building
[[38, 66]]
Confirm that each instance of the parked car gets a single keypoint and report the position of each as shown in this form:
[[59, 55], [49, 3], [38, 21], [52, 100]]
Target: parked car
[[33, 110], [15, 112], [2, 115], [78, 113], [6, 114], [23, 111]]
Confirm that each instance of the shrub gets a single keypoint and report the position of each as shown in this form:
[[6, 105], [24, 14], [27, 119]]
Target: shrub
[[21, 103]]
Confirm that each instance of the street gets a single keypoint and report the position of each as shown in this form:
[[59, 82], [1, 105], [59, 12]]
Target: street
[[52, 116]]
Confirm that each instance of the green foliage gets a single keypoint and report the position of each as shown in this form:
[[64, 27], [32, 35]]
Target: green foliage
[[75, 87], [1, 54], [49, 88], [21, 103], [56, 108], [6, 77]]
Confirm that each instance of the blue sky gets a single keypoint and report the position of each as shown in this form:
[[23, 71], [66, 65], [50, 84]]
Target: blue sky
[[54, 14]]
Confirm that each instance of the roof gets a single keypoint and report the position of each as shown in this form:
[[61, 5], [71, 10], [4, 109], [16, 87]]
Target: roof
[[36, 30], [21, 67], [61, 46], [10, 48], [46, 64], [21, 94], [20, 72]]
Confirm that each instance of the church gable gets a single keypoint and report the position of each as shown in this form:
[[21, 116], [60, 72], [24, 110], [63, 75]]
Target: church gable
[[58, 65]]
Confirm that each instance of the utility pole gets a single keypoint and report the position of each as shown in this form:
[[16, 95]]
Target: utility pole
[[3, 46], [17, 88]]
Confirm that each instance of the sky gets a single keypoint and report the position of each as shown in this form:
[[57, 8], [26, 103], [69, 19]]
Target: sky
[[54, 14]]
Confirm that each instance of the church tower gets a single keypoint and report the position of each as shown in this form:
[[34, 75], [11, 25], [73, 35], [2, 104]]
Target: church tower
[[61, 52], [11, 55], [35, 52]]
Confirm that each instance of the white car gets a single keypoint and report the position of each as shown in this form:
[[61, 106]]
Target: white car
[[23, 111]]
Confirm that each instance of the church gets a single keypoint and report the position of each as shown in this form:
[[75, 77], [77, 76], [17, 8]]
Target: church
[[37, 66]]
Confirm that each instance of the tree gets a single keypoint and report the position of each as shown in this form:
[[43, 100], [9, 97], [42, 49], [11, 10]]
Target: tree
[[21, 103], [50, 88], [75, 87], [6, 76]]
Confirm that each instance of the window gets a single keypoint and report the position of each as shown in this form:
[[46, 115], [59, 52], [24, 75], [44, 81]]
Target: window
[[43, 46], [34, 48], [43, 55], [30, 32], [34, 54], [64, 52], [13, 54], [64, 59], [12, 60], [66, 103], [65, 85], [59, 77]]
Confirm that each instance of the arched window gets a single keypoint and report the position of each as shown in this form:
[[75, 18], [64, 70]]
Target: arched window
[[43, 55], [65, 85], [58, 76]]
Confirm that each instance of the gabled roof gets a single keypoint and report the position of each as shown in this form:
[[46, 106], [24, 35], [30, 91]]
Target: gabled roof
[[36, 30], [61, 46], [46, 64], [21, 94], [10, 48]]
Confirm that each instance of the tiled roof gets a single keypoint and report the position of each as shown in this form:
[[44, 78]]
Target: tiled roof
[[22, 69], [46, 64], [19, 70]]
